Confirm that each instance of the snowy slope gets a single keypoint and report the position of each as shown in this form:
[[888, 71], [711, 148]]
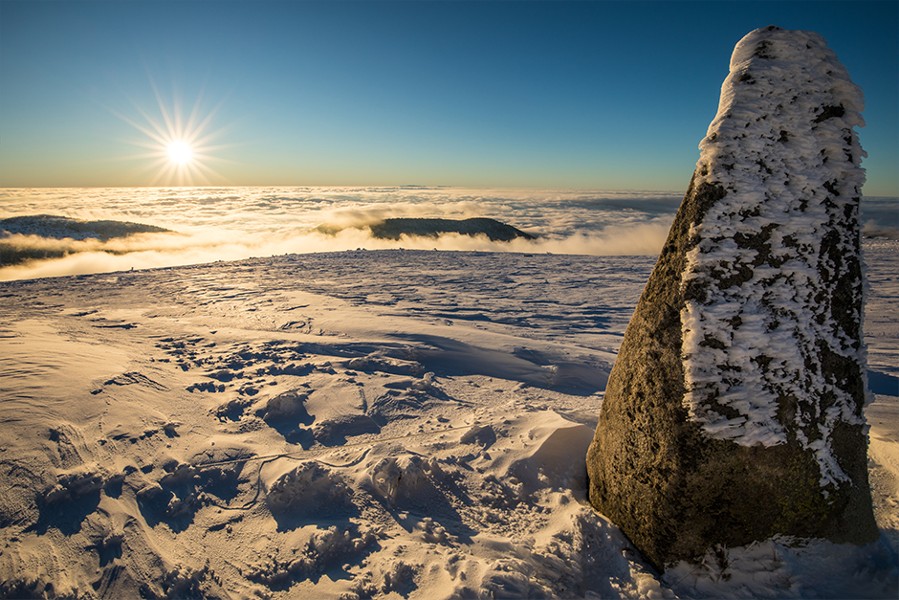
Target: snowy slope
[[359, 424]]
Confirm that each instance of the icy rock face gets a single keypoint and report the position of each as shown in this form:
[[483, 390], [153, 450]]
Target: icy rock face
[[735, 409]]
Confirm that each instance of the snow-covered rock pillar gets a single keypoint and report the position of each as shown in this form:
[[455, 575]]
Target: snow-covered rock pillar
[[735, 409]]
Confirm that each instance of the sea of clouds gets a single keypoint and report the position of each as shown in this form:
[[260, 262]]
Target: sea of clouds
[[210, 224]]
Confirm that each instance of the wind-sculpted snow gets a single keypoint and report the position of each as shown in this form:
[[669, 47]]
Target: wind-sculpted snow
[[356, 425]]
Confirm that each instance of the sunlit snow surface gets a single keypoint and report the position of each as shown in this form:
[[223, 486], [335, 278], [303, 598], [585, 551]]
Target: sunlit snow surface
[[357, 424]]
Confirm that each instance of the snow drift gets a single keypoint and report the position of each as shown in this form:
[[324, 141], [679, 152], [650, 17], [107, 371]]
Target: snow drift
[[318, 426]]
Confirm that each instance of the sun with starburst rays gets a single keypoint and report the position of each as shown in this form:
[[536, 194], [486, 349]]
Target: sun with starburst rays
[[180, 153], [180, 144]]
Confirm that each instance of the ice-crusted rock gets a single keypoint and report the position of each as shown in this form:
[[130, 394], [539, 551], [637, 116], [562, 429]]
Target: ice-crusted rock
[[735, 409]]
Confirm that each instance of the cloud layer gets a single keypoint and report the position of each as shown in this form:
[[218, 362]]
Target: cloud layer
[[234, 223]]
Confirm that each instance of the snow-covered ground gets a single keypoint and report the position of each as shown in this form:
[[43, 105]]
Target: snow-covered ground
[[358, 424]]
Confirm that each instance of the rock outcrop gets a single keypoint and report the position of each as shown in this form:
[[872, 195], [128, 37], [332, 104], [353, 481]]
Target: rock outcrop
[[734, 411]]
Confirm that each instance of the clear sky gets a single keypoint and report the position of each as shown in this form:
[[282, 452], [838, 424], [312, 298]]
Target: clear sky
[[603, 95]]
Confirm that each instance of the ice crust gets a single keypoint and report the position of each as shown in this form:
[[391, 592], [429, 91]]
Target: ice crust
[[783, 148]]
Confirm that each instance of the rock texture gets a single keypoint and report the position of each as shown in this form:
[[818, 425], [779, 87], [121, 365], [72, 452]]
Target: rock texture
[[735, 409]]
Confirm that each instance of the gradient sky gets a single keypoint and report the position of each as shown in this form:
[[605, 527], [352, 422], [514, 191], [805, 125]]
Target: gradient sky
[[603, 95]]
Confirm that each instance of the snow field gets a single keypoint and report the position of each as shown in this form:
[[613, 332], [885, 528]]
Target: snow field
[[361, 424]]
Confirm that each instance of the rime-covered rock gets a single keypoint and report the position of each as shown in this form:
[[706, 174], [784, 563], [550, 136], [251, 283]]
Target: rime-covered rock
[[735, 409]]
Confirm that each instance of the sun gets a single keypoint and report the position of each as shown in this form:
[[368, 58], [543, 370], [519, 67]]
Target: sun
[[180, 153], [180, 144]]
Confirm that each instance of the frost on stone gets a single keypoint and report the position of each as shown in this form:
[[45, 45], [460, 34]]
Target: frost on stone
[[773, 279]]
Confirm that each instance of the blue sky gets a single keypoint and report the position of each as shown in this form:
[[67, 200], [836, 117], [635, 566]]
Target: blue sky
[[602, 95]]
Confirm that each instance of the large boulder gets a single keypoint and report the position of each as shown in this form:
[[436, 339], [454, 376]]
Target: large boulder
[[735, 409]]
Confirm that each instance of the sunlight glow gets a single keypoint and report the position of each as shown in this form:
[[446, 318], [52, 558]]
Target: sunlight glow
[[180, 146], [180, 152]]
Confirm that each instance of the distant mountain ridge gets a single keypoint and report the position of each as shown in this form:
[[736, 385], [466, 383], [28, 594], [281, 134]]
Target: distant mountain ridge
[[496, 231], [53, 236], [56, 227]]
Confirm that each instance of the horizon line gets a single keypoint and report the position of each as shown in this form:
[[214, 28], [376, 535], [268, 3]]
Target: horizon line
[[383, 185]]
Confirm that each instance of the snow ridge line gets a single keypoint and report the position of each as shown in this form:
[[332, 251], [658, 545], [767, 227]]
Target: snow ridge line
[[325, 449]]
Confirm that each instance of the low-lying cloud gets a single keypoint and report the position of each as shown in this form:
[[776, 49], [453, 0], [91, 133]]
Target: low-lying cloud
[[144, 251], [235, 223]]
